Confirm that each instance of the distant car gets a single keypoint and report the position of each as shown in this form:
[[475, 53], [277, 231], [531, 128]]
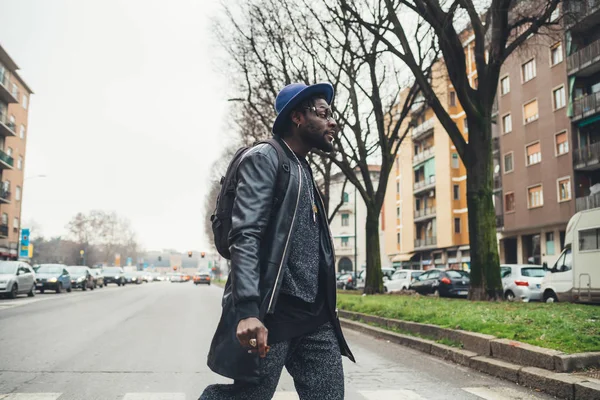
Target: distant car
[[113, 275], [176, 278], [522, 282], [202, 278], [401, 280], [81, 277], [53, 277], [16, 277], [362, 276], [98, 277], [448, 283], [346, 281], [132, 277]]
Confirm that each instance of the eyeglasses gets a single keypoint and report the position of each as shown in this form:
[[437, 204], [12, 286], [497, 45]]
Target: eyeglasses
[[323, 112]]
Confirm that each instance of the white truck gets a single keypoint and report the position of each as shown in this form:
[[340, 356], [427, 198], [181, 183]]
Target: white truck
[[575, 276]]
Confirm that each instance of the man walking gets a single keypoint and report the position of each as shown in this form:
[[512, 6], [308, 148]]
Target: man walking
[[279, 301]]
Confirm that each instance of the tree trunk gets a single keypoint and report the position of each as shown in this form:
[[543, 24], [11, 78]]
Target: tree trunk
[[486, 283], [374, 279]]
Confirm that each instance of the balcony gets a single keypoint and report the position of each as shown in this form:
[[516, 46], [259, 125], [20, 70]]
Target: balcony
[[423, 129], [6, 161], [7, 127], [3, 231], [499, 222], [587, 158], [344, 250], [586, 106], [5, 93], [4, 195], [424, 214], [587, 202], [497, 183], [578, 11], [425, 184], [426, 242], [586, 61], [424, 155]]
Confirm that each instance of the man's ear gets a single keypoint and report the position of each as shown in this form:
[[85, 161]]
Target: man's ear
[[297, 117]]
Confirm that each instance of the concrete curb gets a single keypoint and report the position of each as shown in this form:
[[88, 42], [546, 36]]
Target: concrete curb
[[563, 385], [488, 345]]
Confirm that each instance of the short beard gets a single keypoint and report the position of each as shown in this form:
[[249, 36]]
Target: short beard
[[316, 139]]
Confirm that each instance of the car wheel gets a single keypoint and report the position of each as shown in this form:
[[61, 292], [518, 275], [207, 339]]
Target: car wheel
[[550, 297], [59, 288], [509, 296], [69, 289], [84, 287], [13, 291], [32, 291], [93, 287], [41, 291]]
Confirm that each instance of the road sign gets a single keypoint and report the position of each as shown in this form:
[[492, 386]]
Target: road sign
[[30, 250], [24, 250]]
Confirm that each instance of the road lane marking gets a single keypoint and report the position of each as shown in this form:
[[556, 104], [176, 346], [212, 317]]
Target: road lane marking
[[390, 395], [154, 396], [499, 393], [286, 396], [30, 396]]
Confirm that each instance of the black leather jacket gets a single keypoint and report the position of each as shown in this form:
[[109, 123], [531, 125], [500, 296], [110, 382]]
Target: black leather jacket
[[259, 251]]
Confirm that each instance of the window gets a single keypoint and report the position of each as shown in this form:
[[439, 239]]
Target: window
[[565, 262], [556, 54], [345, 219], [534, 153], [398, 212], [507, 123], [558, 95], [22, 132], [452, 98], [550, 243], [589, 239], [528, 70], [535, 196], [465, 125], [456, 191], [564, 189], [15, 91], [346, 197], [456, 225], [398, 238], [508, 163], [18, 193], [530, 111], [562, 144], [9, 151], [25, 99], [345, 241], [20, 162], [4, 219], [15, 223], [455, 160], [509, 202], [505, 85]]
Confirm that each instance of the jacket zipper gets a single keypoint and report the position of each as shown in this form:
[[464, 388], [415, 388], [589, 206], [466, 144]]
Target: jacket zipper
[[288, 238]]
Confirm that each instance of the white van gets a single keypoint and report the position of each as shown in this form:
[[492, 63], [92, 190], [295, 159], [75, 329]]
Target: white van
[[576, 274]]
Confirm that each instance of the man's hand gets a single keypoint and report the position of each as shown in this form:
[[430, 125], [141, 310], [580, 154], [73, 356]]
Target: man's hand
[[252, 328]]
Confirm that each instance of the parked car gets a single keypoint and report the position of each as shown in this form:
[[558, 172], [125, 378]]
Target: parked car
[[98, 277], [575, 276], [16, 277], [113, 275], [362, 276], [522, 282], [132, 277], [202, 278], [401, 280], [81, 277], [443, 283], [176, 278], [53, 277], [346, 281]]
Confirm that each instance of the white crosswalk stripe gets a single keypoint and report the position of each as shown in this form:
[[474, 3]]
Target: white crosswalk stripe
[[499, 393], [286, 396], [154, 396], [30, 396], [390, 395]]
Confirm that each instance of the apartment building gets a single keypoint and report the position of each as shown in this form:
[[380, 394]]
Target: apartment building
[[348, 224], [582, 38], [15, 98], [536, 148]]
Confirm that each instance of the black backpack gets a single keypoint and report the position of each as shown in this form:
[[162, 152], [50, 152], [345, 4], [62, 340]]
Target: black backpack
[[221, 217]]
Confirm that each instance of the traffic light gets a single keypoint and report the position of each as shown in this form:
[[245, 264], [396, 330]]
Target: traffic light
[[190, 254], [174, 268], [202, 254]]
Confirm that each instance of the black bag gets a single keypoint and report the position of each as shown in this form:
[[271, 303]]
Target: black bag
[[221, 217]]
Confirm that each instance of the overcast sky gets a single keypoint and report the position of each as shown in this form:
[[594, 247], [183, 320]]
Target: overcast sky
[[128, 112]]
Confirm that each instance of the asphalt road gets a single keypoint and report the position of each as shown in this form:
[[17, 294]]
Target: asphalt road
[[149, 342]]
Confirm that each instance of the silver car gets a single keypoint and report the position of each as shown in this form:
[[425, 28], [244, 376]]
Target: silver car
[[522, 282], [16, 277]]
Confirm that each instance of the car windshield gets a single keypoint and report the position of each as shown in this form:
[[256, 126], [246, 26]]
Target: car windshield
[[76, 270], [50, 269], [399, 275], [8, 268], [457, 274], [533, 272], [112, 270]]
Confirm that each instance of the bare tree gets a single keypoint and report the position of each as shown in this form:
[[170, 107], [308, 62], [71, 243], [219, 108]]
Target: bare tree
[[276, 42], [499, 27]]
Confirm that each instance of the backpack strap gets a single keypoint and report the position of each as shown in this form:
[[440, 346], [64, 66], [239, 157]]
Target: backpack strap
[[283, 173]]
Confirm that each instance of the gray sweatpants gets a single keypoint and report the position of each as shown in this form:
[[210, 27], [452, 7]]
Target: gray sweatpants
[[314, 362]]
